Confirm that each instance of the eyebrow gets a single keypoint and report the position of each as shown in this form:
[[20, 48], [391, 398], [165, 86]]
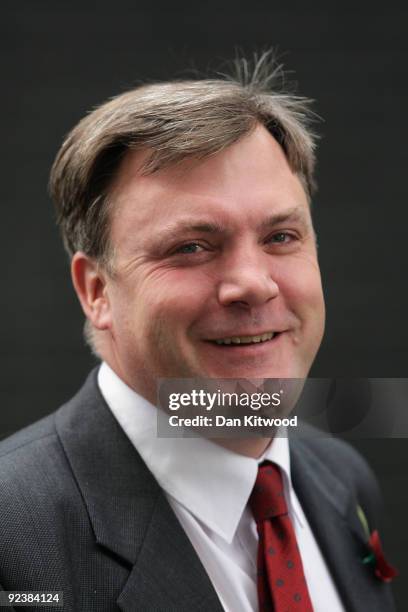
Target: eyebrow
[[295, 214], [202, 226]]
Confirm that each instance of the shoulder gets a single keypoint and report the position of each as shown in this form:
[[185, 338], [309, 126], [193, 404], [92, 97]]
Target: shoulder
[[339, 456], [37, 430], [345, 465], [34, 457], [23, 451], [41, 506], [33, 468]]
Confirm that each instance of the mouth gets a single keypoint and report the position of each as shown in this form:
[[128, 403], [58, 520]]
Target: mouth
[[232, 342]]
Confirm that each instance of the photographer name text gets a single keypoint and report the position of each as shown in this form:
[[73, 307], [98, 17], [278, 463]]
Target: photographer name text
[[222, 421]]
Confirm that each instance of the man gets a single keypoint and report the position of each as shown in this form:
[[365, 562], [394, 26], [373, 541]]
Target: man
[[185, 208]]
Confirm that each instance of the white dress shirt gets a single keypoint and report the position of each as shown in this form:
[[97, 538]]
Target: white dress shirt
[[208, 488]]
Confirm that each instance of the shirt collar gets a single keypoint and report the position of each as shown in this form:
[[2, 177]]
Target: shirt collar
[[213, 483]]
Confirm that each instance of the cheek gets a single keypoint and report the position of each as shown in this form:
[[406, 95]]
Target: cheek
[[301, 286], [173, 300]]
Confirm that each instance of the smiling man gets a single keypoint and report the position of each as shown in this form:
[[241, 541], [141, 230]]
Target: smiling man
[[185, 208], [218, 249]]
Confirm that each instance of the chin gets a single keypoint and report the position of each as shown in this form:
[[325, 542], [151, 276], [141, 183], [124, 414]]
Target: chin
[[249, 372]]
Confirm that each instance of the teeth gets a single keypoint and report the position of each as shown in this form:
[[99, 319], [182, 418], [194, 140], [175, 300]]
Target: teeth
[[246, 339]]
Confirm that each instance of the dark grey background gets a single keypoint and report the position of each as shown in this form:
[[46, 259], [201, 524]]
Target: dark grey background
[[59, 61]]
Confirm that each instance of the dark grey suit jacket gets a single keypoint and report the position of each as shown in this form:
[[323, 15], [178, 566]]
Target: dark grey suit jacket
[[81, 513]]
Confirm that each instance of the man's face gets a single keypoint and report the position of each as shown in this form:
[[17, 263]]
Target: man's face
[[216, 269]]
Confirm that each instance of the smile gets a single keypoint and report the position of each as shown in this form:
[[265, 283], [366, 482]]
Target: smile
[[246, 339]]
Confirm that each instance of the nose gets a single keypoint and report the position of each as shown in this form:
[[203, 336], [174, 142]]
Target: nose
[[247, 281]]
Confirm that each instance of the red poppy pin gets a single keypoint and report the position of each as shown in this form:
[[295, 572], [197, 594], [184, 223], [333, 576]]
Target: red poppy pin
[[382, 569]]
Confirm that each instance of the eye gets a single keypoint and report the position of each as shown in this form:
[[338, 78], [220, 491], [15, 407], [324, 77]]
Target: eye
[[189, 249], [281, 238]]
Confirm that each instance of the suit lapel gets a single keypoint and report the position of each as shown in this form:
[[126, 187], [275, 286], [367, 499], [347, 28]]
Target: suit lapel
[[332, 514], [129, 513], [167, 575]]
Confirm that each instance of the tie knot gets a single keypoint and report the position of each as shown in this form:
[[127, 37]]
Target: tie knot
[[267, 499]]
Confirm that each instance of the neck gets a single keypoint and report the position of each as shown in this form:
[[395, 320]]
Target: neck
[[249, 447]]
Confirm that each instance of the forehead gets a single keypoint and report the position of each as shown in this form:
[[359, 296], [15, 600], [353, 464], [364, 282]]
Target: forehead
[[242, 184]]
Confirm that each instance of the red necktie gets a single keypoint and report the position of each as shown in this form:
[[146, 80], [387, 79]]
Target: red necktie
[[281, 582]]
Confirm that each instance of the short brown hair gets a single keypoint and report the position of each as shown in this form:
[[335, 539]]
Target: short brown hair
[[174, 120]]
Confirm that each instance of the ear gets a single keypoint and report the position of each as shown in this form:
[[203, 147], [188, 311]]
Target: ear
[[90, 285]]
